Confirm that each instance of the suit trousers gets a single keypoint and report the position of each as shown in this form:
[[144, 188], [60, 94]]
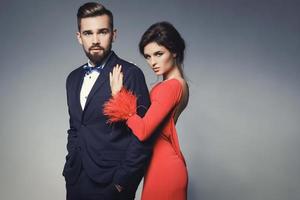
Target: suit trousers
[[87, 189]]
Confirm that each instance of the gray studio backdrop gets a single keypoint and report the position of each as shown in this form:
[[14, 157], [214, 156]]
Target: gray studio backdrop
[[240, 132]]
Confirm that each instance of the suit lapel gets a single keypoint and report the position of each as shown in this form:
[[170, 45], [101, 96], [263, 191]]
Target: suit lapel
[[102, 78], [78, 89], [74, 88]]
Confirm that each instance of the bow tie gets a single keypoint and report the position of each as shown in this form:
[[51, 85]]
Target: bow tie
[[89, 69]]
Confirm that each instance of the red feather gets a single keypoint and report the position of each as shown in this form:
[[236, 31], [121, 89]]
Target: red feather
[[121, 106]]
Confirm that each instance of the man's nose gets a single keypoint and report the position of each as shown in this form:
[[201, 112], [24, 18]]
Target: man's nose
[[96, 39]]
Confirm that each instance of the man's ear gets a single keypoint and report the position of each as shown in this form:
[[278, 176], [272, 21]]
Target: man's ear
[[114, 35], [79, 37]]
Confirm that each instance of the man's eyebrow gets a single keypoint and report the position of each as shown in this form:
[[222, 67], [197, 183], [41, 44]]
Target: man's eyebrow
[[99, 30], [87, 31], [103, 29]]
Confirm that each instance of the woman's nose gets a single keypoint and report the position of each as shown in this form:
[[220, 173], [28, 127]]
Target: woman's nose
[[153, 62]]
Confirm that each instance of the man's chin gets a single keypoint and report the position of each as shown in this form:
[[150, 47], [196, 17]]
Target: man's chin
[[96, 58], [96, 52]]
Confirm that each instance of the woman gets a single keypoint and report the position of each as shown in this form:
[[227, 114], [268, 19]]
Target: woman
[[163, 48]]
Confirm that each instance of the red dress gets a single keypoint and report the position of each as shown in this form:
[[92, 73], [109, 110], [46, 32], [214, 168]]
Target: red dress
[[166, 177]]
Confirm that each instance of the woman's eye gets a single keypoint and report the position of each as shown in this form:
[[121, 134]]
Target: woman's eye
[[159, 54]]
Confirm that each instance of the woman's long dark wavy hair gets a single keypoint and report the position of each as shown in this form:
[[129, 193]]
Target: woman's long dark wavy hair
[[164, 34]]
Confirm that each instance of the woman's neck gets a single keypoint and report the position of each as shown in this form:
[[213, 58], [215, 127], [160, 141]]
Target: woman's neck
[[173, 73]]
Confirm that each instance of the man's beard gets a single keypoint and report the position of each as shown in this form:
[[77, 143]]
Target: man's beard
[[97, 58]]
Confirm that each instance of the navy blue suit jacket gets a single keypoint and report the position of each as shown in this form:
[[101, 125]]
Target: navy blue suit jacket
[[108, 153]]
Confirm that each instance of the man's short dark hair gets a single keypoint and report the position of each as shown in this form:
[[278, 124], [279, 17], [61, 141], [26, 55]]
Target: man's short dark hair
[[93, 9]]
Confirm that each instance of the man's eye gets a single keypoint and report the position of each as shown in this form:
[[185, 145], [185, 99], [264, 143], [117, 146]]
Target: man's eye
[[87, 33], [146, 57], [104, 32], [159, 54]]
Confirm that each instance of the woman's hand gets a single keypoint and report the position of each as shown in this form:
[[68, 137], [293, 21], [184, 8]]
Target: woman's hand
[[116, 80]]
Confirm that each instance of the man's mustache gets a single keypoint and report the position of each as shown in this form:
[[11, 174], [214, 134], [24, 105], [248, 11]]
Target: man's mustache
[[96, 47]]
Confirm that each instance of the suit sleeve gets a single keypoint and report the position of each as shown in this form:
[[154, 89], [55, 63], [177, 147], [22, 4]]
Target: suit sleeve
[[72, 131], [137, 153], [163, 101], [72, 137]]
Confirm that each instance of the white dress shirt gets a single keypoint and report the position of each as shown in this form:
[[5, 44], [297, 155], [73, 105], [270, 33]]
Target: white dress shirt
[[88, 82]]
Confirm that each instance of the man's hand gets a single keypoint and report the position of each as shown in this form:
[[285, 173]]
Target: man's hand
[[119, 187]]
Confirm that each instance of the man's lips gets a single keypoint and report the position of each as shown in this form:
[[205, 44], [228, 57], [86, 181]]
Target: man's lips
[[96, 49]]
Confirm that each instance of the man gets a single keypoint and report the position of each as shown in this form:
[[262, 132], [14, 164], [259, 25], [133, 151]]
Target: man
[[104, 161]]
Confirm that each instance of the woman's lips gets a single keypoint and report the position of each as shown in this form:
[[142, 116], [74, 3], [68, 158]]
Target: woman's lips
[[156, 69]]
